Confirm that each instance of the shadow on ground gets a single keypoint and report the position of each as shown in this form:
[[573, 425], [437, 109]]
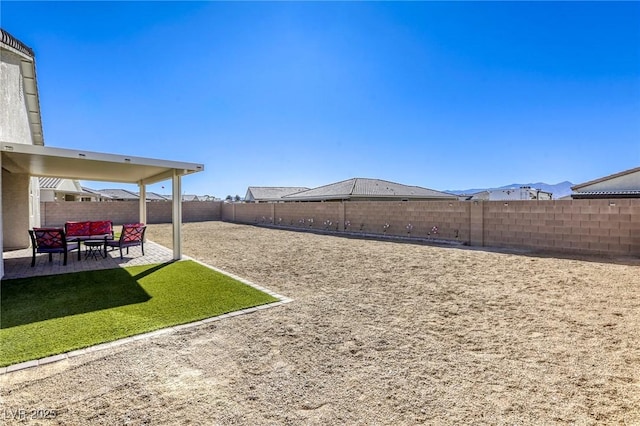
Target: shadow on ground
[[29, 300]]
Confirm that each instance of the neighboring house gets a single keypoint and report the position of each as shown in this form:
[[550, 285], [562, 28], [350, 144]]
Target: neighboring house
[[117, 194], [362, 189], [190, 197], [58, 189], [94, 195], [511, 194], [263, 194], [625, 184], [152, 196]]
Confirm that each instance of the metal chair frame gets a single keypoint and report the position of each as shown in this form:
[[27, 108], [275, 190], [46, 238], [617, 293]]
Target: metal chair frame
[[51, 240], [131, 235]]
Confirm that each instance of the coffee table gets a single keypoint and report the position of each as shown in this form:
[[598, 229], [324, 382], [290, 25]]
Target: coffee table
[[95, 247]]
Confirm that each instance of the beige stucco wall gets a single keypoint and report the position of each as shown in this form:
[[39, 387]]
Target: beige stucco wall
[[18, 213], [47, 195], [13, 110]]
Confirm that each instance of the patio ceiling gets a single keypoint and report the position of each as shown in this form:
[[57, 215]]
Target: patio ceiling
[[38, 160]]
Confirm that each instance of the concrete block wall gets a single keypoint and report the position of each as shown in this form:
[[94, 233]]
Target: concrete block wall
[[255, 214], [577, 226], [227, 212], [324, 215], [450, 218], [119, 212], [594, 226], [199, 211]]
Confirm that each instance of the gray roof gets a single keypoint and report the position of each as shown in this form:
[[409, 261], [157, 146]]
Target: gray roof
[[272, 193], [362, 188], [119, 194], [153, 196], [95, 192]]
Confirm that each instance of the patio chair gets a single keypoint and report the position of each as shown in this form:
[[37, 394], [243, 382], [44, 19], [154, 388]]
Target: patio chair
[[51, 240], [131, 235]]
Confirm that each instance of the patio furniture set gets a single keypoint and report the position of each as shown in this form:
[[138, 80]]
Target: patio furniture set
[[96, 236]]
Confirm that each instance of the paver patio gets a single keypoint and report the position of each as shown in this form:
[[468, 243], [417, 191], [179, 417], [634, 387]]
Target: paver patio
[[17, 263]]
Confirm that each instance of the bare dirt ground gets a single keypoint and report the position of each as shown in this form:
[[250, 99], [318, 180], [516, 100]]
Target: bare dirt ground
[[378, 333]]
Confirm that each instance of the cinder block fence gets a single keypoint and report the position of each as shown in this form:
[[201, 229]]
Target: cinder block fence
[[119, 212], [576, 226]]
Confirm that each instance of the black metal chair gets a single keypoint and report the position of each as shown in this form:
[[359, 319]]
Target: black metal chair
[[51, 240], [131, 235]]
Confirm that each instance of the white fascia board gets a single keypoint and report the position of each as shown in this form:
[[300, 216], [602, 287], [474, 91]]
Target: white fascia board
[[88, 165]]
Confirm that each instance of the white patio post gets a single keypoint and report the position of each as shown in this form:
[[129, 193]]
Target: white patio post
[[1, 225], [176, 214], [142, 206]]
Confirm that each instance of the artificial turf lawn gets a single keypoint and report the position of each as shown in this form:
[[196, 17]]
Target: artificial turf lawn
[[44, 316]]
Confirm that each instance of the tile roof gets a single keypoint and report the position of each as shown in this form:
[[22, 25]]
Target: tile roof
[[153, 196], [119, 194], [95, 192], [368, 188], [13, 42], [271, 193]]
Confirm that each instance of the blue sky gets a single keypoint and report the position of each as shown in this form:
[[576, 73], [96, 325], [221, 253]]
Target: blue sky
[[442, 95]]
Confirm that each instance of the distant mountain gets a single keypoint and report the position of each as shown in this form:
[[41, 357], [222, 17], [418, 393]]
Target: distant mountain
[[558, 190]]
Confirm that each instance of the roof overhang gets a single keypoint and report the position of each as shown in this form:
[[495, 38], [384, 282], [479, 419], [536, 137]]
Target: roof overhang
[[605, 194], [38, 160]]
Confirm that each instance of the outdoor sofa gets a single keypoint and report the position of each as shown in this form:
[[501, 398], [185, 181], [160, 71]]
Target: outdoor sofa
[[89, 230]]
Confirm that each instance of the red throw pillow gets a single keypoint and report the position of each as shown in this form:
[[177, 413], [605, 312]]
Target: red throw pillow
[[77, 229], [102, 227]]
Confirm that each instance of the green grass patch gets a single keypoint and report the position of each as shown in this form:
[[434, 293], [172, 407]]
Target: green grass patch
[[44, 316]]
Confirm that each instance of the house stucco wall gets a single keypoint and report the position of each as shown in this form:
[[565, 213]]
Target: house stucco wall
[[47, 195], [17, 213], [13, 110]]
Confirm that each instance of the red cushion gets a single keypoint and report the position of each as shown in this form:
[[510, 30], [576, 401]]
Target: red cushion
[[77, 229], [101, 227], [48, 238]]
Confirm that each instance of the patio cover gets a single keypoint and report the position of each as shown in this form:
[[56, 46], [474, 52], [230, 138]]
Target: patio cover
[[37, 160]]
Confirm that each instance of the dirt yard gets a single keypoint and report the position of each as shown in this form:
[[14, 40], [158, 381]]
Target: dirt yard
[[378, 333]]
